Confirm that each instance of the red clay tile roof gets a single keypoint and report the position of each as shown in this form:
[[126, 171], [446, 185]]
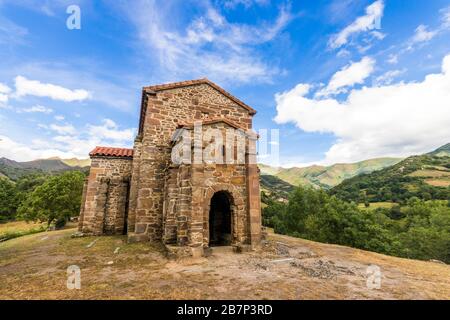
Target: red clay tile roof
[[111, 152]]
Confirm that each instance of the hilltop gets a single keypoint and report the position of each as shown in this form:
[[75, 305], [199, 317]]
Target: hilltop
[[424, 176], [284, 267]]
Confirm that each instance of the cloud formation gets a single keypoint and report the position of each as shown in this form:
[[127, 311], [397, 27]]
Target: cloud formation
[[369, 21], [390, 120], [4, 91], [348, 76], [232, 4], [109, 130], [422, 34], [36, 109], [26, 87], [209, 45], [68, 142]]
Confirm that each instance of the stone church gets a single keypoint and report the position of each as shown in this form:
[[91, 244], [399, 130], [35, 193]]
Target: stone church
[[189, 205]]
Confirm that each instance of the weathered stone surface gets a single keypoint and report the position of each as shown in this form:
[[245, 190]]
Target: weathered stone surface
[[153, 199]]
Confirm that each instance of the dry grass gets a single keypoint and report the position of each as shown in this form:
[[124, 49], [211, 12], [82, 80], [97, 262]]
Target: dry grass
[[375, 205], [16, 229], [17, 226], [438, 182], [430, 173], [34, 267]]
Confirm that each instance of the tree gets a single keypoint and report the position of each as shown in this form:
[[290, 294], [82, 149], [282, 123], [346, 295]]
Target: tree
[[57, 199], [8, 199], [396, 212]]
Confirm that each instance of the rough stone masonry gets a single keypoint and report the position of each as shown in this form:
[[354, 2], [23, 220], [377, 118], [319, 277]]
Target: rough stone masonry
[[190, 205]]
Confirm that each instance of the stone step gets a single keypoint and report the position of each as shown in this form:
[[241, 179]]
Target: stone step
[[221, 249]]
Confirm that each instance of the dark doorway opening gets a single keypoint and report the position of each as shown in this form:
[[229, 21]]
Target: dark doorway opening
[[220, 220]]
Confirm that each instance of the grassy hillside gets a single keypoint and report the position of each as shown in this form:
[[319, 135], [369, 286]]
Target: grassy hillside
[[327, 177], [426, 177], [274, 188], [74, 162]]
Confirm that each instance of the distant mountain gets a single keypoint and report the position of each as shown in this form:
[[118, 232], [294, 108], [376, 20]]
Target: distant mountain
[[14, 169], [424, 176], [443, 151], [74, 162], [327, 176]]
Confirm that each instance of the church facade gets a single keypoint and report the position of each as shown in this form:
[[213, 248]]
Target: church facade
[[191, 180]]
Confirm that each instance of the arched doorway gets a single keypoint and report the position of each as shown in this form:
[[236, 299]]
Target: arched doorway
[[220, 220]]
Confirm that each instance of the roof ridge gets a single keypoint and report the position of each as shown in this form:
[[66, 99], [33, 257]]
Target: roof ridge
[[172, 85]]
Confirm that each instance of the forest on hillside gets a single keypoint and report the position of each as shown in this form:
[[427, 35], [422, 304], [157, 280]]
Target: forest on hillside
[[419, 229], [426, 177]]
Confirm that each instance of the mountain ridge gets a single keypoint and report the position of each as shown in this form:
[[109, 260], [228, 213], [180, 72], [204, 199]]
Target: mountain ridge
[[443, 151], [15, 169], [425, 176], [327, 176]]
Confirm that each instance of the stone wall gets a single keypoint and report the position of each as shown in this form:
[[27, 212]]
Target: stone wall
[[165, 110], [190, 187], [106, 196]]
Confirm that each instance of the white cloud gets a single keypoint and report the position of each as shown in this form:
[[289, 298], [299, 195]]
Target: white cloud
[[63, 129], [109, 131], [388, 77], [26, 87], [343, 53], [392, 59], [38, 109], [69, 141], [348, 76], [4, 91], [231, 4], [445, 12], [209, 45], [423, 35], [3, 98], [59, 118], [12, 149], [369, 21], [394, 120], [379, 35], [4, 88]]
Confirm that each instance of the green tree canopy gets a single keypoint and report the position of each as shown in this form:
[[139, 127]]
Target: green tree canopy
[[57, 199], [8, 199]]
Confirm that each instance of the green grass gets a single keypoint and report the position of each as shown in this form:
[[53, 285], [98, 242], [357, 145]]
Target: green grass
[[376, 205], [11, 230]]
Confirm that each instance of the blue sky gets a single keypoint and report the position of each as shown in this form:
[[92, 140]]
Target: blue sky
[[342, 81]]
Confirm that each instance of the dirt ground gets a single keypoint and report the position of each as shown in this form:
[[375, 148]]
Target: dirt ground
[[35, 267]]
